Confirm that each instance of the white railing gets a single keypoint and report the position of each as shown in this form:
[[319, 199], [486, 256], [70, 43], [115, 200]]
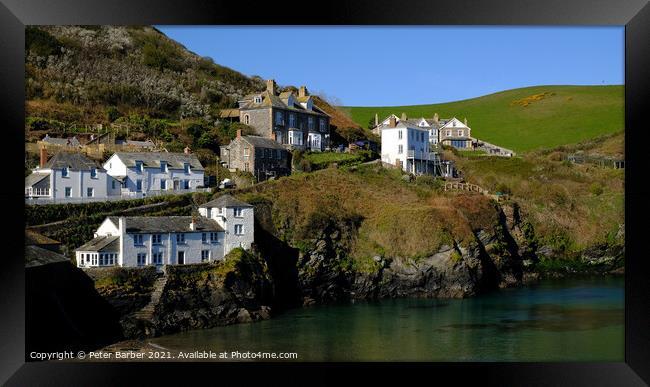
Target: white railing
[[421, 155]]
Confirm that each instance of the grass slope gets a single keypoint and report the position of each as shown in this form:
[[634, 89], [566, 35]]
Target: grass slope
[[564, 115]]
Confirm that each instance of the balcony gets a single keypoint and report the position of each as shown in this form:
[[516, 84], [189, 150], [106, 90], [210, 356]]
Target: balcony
[[421, 155]]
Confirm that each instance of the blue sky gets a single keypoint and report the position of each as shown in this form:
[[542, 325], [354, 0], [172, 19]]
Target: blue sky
[[387, 66]]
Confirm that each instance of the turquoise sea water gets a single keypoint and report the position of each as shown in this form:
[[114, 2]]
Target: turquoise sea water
[[555, 320]]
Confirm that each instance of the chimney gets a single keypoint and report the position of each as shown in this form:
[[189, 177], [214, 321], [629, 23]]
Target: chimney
[[465, 121], [43, 156], [302, 92], [392, 122], [376, 119], [274, 136], [187, 150], [238, 133], [193, 223], [270, 86], [435, 117], [404, 118]]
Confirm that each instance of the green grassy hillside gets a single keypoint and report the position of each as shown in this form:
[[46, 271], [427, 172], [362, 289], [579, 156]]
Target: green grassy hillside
[[527, 118]]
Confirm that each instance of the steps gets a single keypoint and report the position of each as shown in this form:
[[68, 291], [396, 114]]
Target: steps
[[148, 311]]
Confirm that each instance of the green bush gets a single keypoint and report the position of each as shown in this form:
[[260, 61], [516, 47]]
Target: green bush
[[41, 42], [596, 188]]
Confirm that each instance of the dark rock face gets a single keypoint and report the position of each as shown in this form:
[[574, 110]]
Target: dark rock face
[[64, 312], [493, 260]]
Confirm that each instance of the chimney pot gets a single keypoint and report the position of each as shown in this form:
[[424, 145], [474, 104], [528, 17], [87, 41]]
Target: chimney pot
[[187, 150], [238, 133], [302, 92], [404, 118], [392, 122]]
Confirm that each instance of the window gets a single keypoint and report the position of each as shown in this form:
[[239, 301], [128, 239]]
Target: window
[[245, 167], [93, 173], [113, 184], [279, 119], [186, 167], [246, 152], [239, 229], [142, 259], [157, 258], [448, 132], [310, 123], [68, 192], [139, 166], [247, 118], [238, 212], [181, 257], [208, 212], [322, 125], [186, 184], [156, 239], [399, 134], [258, 99], [137, 240], [180, 238], [204, 237], [214, 237], [400, 149], [460, 133], [205, 255], [138, 185], [454, 124], [90, 192], [65, 172], [292, 120], [163, 184], [163, 167]]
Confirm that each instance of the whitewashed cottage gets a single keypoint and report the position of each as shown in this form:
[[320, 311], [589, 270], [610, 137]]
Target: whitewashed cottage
[[68, 176], [406, 145], [140, 173], [224, 224]]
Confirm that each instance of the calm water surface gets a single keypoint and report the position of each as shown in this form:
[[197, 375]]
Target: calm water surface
[[555, 320]]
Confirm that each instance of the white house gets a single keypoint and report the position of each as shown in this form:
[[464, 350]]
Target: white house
[[68, 176], [226, 223], [406, 145], [140, 173]]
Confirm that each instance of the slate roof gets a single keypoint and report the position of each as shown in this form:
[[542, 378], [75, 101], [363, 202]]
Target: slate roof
[[102, 243], [71, 141], [38, 256], [153, 159], [272, 100], [141, 144], [35, 178], [262, 142], [229, 113], [74, 161], [225, 201], [166, 224]]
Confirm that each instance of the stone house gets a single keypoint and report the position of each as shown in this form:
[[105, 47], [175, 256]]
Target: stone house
[[263, 157], [290, 119]]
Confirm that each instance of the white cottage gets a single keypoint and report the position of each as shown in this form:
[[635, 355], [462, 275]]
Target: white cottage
[[406, 145], [226, 223], [68, 176], [140, 173]]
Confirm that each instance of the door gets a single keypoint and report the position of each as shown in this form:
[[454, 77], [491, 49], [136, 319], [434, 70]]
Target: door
[[176, 185], [181, 257]]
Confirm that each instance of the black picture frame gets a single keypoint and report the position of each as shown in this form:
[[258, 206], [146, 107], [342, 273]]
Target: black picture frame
[[635, 15]]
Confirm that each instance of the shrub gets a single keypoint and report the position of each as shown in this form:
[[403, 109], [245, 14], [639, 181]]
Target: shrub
[[112, 113], [41, 42], [596, 188]]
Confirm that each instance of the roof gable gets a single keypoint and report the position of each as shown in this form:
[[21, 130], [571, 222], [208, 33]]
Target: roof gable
[[73, 161], [225, 200]]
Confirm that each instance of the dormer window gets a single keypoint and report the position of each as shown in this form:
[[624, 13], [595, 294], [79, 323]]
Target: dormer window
[[139, 166], [186, 167], [93, 173], [65, 172], [163, 166], [257, 99]]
